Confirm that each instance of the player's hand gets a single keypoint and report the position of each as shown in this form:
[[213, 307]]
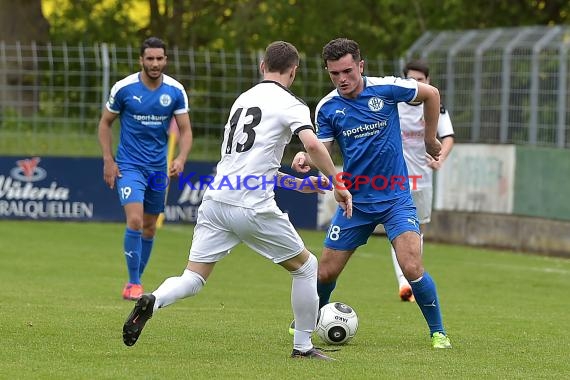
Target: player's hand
[[110, 173], [176, 167], [344, 199], [433, 148], [318, 184], [433, 164], [299, 163]]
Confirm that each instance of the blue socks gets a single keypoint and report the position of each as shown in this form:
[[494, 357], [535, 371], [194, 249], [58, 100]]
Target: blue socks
[[145, 253], [426, 298], [324, 291], [137, 253], [132, 249]]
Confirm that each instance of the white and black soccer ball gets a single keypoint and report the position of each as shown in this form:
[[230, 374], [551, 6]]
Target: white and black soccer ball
[[337, 323]]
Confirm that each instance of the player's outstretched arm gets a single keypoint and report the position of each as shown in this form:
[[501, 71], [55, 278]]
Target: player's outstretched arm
[[446, 147], [105, 136], [308, 185], [321, 158], [302, 162], [184, 144], [429, 95]]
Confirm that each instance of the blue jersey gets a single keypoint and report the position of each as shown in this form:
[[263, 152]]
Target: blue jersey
[[145, 118], [367, 130]]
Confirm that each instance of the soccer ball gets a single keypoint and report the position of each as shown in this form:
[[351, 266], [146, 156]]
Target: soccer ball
[[337, 323]]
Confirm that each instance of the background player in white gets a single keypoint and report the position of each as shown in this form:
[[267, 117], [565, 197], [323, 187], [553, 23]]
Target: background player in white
[[260, 124], [145, 102], [420, 164], [361, 116]]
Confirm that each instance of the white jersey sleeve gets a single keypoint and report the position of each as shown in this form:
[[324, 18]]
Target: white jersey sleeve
[[444, 127], [412, 125]]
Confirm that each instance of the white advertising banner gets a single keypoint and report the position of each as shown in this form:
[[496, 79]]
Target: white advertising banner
[[477, 178]]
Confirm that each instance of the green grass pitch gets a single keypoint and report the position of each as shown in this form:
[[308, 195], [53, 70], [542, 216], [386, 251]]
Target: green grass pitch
[[61, 313]]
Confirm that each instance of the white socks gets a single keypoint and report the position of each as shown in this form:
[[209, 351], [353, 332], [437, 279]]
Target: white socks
[[175, 288], [305, 303], [304, 298], [397, 270]]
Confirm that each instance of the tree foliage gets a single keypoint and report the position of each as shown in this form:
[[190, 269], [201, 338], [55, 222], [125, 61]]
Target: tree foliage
[[24, 24], [90, 21], [383, 28]]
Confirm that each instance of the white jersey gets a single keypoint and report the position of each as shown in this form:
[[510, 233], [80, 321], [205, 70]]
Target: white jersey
[[412, 125], [260, 125]]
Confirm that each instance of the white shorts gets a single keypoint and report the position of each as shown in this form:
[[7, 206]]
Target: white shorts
[[423, 200], [221, 226]]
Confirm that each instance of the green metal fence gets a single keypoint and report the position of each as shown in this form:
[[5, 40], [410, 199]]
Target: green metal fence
[[51, 96], [505, 85]]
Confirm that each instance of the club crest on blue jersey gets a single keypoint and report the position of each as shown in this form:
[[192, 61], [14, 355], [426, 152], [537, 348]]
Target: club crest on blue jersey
[[165, 100], [375, 104]]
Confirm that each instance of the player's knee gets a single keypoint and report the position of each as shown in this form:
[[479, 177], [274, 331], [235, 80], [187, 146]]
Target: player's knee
[[308, 269], [135, 223], [149, 230], [327, 273], [193, 282], [412, 269]]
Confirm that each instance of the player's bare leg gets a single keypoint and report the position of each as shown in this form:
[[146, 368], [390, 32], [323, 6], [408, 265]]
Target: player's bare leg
[[408, 253], [404, 288], [331, 265]]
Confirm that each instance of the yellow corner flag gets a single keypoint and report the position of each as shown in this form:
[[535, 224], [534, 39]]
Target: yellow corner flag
[[172, 140]]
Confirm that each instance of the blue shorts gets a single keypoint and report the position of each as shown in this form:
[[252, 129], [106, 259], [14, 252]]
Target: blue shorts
[[397, 216], [146, 186]]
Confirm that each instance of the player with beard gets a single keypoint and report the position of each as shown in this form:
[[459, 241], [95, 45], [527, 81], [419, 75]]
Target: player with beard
[[145, 103], [361, 116]]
